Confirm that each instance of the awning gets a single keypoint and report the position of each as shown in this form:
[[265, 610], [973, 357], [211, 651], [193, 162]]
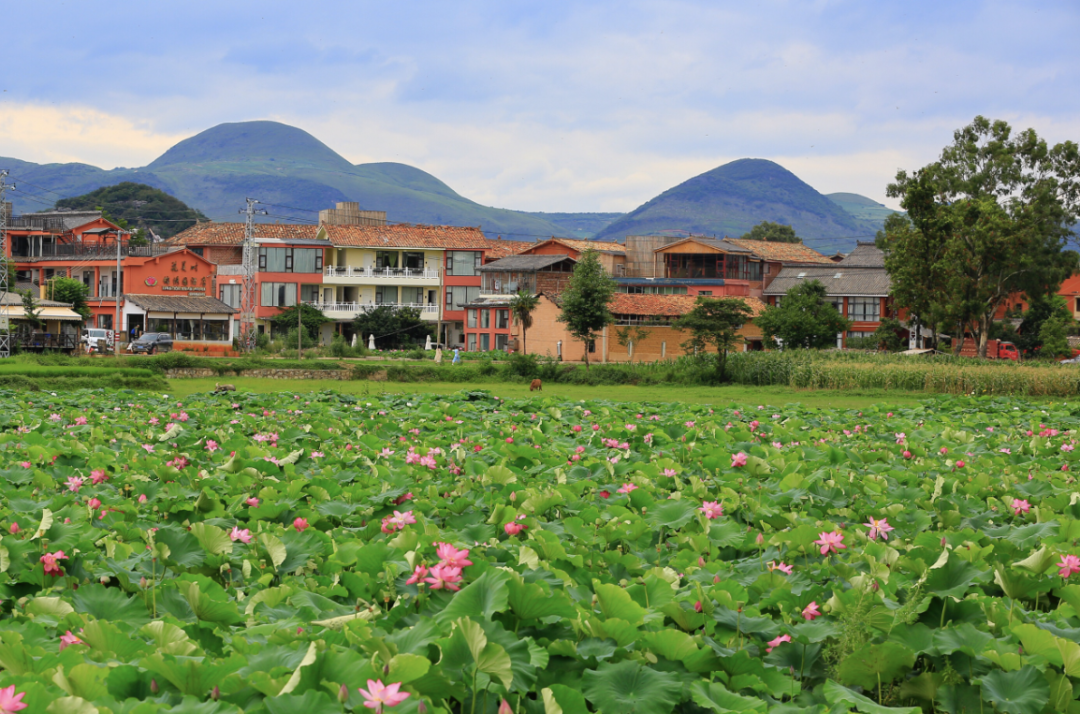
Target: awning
[[16, 312]]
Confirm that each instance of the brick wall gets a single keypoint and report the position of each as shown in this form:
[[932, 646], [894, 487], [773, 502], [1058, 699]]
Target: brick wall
[[551, 282], [224, 255]]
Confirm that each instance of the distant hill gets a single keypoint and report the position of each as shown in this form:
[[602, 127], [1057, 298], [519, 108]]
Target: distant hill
[[733, 198], [580, 225], [286, 168], [862, 207], [140, 205]]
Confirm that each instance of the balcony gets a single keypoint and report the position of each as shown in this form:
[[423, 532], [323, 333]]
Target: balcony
[[81, 251], [342, 311], [352, 275]]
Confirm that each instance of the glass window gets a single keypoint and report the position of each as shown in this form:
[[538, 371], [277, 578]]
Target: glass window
[[502, 319], [864, 309], [216, 330], [158, 324], [485, 342], [485, 319], [386, 259], [464, 263], [231, 294], [458, 296], [501, 341], [278, 294], [705, 292], [472, 342], [471, 318], [413, 260], [412, 296], [309, 293]]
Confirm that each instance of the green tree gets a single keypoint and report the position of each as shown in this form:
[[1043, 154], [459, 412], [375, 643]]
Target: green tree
[[998, 210], [775, 232], [914, 262], [311, 317], [69, 290], [889, 335], [139, 205], [585, 300], [31, 309], [714, 322], [1028, 337], [1054, 335], [392, 327], [803, 319], [521, 307]]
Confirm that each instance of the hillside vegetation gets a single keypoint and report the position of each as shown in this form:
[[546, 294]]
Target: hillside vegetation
[[140, 205]]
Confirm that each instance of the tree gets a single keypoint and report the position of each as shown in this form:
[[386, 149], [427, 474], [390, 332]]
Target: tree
[[774, 232], [69, 290], [140, 205], [392, 327], [31, 309], [521, 307], [585, 300], [1054, 335], [714, 322], [888, 335], [996, 210], [311, 317], [804, 318]]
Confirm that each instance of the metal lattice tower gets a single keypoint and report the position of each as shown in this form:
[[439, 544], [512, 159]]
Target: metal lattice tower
[[6, 279], [248, 298]]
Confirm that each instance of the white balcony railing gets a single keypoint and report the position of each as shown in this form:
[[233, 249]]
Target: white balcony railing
[[349, 271], [356, 308]]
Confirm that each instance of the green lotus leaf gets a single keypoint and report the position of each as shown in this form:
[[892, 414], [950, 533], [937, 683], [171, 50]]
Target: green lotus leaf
[[628, 687], [1024, 691], [870, 665], [714, 696], [481, 599], [836, 694]]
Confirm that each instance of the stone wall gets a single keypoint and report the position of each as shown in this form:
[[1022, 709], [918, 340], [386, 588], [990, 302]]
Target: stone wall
[[187, 373]]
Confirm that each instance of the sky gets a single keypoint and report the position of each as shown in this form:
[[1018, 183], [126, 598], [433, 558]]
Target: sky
[[545, 106]]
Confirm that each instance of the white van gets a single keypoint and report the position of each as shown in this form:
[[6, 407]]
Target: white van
[[91, 335]]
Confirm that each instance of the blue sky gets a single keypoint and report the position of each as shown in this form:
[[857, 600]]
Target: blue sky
[[553, 106]]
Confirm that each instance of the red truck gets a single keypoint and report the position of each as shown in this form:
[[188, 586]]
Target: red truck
[[995, 349]]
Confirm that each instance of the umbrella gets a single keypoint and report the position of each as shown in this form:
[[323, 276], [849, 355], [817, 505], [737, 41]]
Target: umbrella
[[371, 341], [427, 343]]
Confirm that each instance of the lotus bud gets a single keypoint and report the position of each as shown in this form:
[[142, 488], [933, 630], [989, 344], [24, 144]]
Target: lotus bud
[[760, 539], [343, 694], [504, 707], [154, 689], [215, 693], [697, 606], [14, 528], [513, 498], [421, 708], [701, 561], [716, 579], [386, 670], [142, 582]]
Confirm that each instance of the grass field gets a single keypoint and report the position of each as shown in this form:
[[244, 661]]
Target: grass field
[[687, 395]]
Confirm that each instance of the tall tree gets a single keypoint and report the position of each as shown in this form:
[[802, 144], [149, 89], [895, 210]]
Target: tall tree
[[71, 291], [521, 307], [999, 207], [312, 318], [401, 327], [585, 300], [775, 232], [714, 322], [31, 309], [803, 319]]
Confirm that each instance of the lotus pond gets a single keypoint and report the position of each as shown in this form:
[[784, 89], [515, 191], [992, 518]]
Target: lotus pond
[[464, 554]]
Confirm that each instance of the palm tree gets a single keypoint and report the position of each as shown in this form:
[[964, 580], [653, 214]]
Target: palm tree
[[521, 307]]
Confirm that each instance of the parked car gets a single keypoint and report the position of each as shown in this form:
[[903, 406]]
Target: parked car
[[152, 343], [91, 336]]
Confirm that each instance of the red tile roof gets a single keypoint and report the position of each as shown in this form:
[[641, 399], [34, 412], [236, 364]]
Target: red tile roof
[[580, 246], [499, 248], [783, 252], [404, 235], [666, 305], [233, 233]]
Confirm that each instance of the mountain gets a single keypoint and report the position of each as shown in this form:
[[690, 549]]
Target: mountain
[[733, 198], [141, 206], [862, 207], [579, 225], [290, 171]]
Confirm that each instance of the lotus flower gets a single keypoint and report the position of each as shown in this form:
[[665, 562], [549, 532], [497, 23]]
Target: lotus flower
[[1070, 564], [712, 509], [627, 488], [98, 476], [811, 611], [443, 577], [514, 528], [10, 702], [67, 640], [419, 573], [738, 459], [773, 644], [504, 707], [781, 566], [878, 528], [451, 556], [242, 535], [74, 483], [50, 561], [1020, 506], [379, 695], [300, 524], [830, 542]]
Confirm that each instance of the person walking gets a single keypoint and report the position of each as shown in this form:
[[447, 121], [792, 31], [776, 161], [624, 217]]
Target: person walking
[[457, 356]]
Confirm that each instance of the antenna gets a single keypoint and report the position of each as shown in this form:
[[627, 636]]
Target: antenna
[[248, 304], [6, 278]]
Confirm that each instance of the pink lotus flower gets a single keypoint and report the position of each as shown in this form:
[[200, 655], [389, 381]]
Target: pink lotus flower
[[451, 556], [242, 535], [878, 528], [67, 640], [50, 561], [54, 417], [1020, 506], [74, 483], [504, 708], [604, 494], [738, 459], [576, 428], [378, 695], [811, 611], [596, 427], [253, 502], [689, 425], [13, 529], [1069, 565], [773, 644], [80, 421], [149, 448], [10, 702], [142, 498], [943, 451], [419, 573], [960, 464], [300, 524], [514, 528], [25, 464], [712, 509], [697, 606], [212, 445], [670, 473], [93, 504], [781, 566], [907, 454], [444, 577], [830, 542], [397, 521], [509, 440], [627, 488], [98, 476]]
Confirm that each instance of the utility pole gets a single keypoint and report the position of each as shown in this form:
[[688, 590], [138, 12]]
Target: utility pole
[[248, 304], [6, 279], [116, 296], [299, 329]]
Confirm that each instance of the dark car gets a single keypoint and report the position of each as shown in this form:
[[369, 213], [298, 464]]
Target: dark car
[[152, 343]]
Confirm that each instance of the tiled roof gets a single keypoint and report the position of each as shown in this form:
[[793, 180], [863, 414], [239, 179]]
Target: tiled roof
[[233, 233], [667, 305], [404, 235], [523, 262], [839, 280], [865, 254], [783, 252], [580, 246], [168, 303], [499, 248], [16, 299]]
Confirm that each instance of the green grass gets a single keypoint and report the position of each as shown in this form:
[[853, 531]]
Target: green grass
[[750, 396]]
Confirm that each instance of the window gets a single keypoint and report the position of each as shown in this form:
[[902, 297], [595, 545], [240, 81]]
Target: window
[[457, 296], [231, 294], [105, 322], [485, 319], [278, 294], [704, 292], [309, 293], [215, 330], [412, 296], [463, 262], [386, 259], [502, 320], [653, 290], [501, 342], [472, 318], [290, 260], [413, 260], [485, 341], [379, 297], [197, 251], [472, 342], [864, 309]]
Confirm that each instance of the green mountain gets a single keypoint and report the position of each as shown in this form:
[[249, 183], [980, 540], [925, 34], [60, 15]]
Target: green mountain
[[579, 225], [861, 207], [291, 172], [733, 198], [141, 206]]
